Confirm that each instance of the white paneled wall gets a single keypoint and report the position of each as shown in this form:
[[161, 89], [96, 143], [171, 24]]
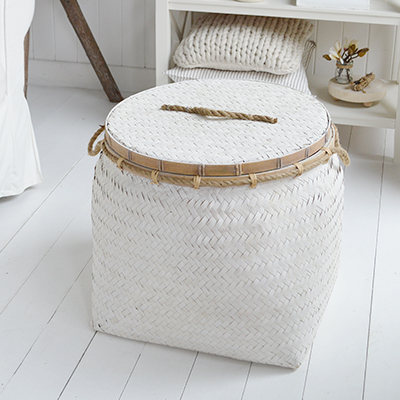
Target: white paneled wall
[[380, 39], [124, 30]]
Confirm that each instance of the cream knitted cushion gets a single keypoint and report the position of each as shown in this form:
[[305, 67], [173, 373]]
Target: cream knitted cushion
[[244, 43]]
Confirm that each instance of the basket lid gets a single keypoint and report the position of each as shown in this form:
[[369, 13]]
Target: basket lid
[[177, 142]]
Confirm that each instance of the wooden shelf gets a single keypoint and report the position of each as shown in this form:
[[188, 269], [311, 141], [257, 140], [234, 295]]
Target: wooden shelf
[[380, 12], [382, 114]]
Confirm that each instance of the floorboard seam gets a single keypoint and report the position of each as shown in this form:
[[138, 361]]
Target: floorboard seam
[[374, 269]]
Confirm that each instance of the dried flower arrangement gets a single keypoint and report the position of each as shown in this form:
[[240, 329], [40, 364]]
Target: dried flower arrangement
[[347, 53], [344, 57]]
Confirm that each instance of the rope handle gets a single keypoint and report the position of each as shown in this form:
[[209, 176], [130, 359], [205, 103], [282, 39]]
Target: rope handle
[[99, 145], [208, 112], [339, 150]]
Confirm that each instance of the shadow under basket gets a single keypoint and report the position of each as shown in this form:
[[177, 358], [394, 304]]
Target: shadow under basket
[[240, 264]]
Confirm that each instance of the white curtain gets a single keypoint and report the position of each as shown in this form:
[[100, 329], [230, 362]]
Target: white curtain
[[19, 160]]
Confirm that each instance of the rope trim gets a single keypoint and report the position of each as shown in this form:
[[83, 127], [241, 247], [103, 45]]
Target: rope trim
[[208, 112], [196, 181], [300, 168], [328, 152], [342, 153], [322, 156], [154, 176], [254, 180], [344, 66], [119, 162]]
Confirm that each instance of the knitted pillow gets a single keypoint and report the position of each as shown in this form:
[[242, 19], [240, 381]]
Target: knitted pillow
[[244, 43]]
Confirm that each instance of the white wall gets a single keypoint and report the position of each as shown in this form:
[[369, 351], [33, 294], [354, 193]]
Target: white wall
[[380, 39], [124, 30]]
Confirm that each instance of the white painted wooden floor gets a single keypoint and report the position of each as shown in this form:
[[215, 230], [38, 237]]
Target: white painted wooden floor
[[49, 351]]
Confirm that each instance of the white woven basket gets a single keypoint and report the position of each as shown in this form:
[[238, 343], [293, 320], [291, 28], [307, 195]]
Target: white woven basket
[[235, 271]]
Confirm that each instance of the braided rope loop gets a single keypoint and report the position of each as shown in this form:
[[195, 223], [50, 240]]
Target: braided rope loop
[[196, 182], [253, 179], [300, 169], [119, 162], [154, 176]]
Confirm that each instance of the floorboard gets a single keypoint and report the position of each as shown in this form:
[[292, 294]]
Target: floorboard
[[32, 310], [214, 370], [275, 383], [63, 127], [33, 241], [92, 379], [161, 372], [383, 367], [56, 352]]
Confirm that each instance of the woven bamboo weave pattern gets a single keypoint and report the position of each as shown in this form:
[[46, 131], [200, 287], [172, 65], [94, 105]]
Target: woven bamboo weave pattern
[[243, 267], [244, 273], [139, 125]]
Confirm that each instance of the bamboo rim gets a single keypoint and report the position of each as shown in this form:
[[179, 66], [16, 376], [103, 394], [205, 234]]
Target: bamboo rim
[[216, 170], [196, 181]]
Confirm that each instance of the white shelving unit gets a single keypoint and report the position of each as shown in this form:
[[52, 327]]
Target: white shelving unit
[[385, 114]]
